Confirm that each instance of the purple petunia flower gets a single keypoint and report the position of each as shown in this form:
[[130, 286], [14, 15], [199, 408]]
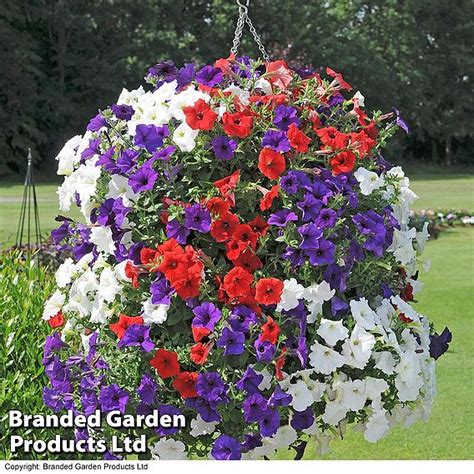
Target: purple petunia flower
[[295, 256], [327, 218], [310, 207], [165, 70], [97, 123], [185, 75], [232, 342], [164, 154], [399, 120], [322, 254], [282, 218], [223, 147], [161, 291], [265, 351], [211, 387], [338, 306], [241, 318], [197, 218], [137, 335], [170, 410], [311, 234], [127, 161], [302, 420], [226, 448], [206, 315], [207, 409], [53, 343], [253, 407], [276, 140], [177, 230], [123, 111], [290, 182], [150, 137], [270, 422], [147, 389], [279, 398], [209, 76], [112, 398], [439, 344], [143, 179], [250, 381], [285, 116]]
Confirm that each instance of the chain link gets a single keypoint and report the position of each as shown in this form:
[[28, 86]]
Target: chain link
[[244, 18]]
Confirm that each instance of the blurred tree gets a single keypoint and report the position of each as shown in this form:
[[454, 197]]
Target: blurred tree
[[66, 58]]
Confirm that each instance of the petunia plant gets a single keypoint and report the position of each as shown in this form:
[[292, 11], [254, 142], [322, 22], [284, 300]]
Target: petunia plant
[[245, 260]]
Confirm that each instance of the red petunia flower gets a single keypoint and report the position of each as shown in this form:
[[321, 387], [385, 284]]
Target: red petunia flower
[[200, 116], [248, 261], [132, 272], [244, 233], [174, 265], [223, 228], [362, 143], [217, 206], [188, 287], [270, 331], [343, 162], [339, 79], [237, 282], [199, 333], [259, 225], [279, 74], [298, 140], [166, 363], [185, 384], [268, 291], [124, 323], [224, 64], [279, 363], [56, 321], [267, 200], [333, 138], [271, 163], [234, 248], [227, 185], [238, 124], [199, 353]]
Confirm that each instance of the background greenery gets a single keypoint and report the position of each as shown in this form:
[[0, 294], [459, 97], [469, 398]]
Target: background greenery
[[62, 59]]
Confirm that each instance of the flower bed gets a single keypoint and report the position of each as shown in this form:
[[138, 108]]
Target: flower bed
[[437, 220], [246, 261]]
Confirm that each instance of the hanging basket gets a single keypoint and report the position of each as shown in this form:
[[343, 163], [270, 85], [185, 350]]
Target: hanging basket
[[245, 261]]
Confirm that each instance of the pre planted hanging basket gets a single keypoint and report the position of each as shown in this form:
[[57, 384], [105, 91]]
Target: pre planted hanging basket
[[246, 261]]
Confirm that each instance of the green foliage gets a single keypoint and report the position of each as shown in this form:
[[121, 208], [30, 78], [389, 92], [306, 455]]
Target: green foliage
[[24, 286]]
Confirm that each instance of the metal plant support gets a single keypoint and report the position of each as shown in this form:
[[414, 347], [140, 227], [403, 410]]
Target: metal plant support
[[28, 233]]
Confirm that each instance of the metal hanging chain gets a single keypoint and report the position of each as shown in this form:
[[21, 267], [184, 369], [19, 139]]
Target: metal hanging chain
[[244, 18]]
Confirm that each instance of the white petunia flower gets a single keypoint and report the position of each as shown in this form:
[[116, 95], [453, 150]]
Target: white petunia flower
[[302, 396], [109, 287], [68, 157], [291, 296], [332, 331], [185, 137], [200, 427], [358, 348], [316, 295], [154, 313], [324, 359], [377, 426], [101, 236], [368, 181], [130, 97], [100, 312], [284, 437], [353, 394], [363, 314], [118, 187], [53, 305], [334, 413], [384, 361], [422, 237], [169, 449], [65, 272]]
